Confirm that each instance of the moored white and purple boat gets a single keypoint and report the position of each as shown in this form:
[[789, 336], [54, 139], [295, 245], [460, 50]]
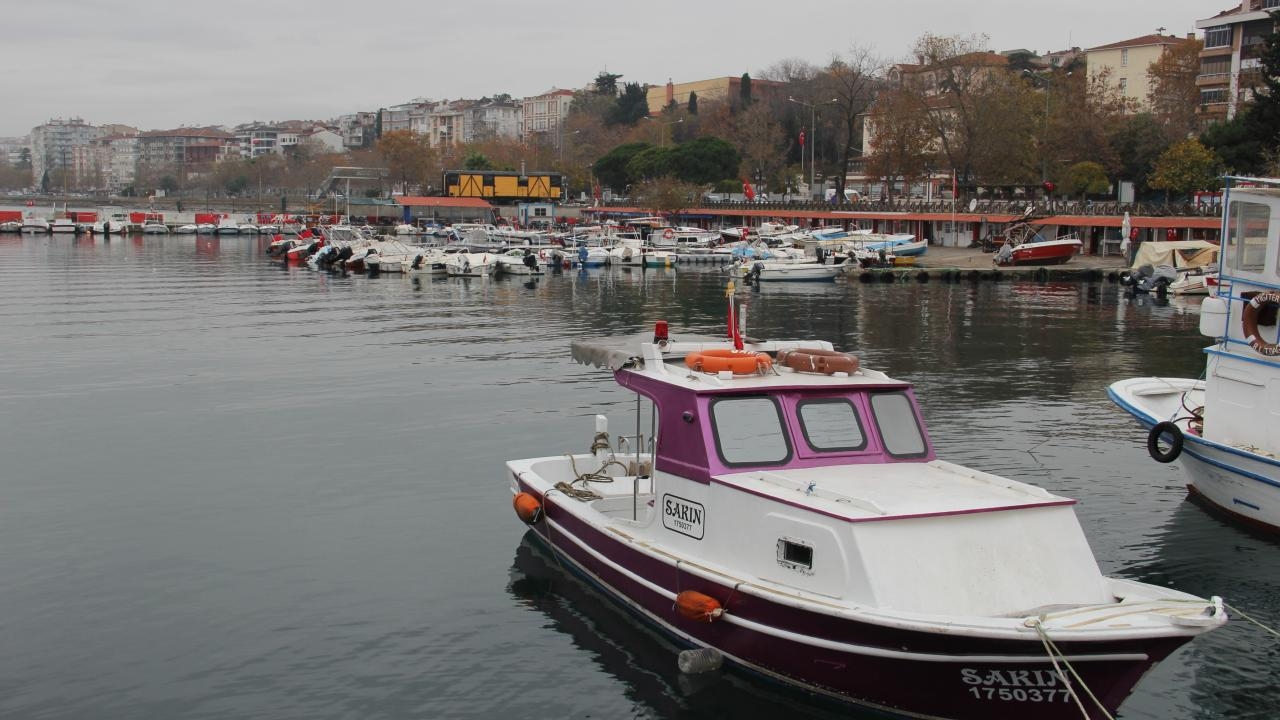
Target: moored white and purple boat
[[779, 507]]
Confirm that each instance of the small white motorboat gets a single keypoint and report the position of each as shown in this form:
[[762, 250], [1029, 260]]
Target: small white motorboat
[[773, 271], [154, 227], [1223, 428], [519, 261], [64, 226], [206, 229], [188, 229], [33, 224], [466, 264], [10, 226]]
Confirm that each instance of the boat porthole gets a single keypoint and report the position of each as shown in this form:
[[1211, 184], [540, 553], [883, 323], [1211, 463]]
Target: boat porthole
[[1175, 442]]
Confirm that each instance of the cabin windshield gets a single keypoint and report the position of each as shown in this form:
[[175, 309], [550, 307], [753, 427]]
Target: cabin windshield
[[831, 425], [749, 430], [896, 421], [1248, 227]]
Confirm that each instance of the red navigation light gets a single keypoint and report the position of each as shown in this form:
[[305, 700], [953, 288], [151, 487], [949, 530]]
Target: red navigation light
[[660, 333]]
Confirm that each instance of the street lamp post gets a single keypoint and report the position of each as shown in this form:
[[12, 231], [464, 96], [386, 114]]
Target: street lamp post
[[662, 130], [813, 145]]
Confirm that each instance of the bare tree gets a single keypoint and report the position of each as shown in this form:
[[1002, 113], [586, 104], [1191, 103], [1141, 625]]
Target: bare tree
[[853, 82]]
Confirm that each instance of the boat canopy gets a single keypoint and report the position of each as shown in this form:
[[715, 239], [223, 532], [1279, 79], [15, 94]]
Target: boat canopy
[[1178, 253]]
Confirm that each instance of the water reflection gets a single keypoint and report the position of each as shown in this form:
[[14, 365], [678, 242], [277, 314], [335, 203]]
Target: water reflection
[[625, 648]]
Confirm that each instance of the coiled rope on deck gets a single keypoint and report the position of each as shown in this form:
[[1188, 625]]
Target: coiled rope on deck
[[1054, 656], [596, 476]]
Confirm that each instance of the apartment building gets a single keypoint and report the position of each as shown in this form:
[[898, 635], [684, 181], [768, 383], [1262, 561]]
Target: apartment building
[[1128, 61], [358, 130], [492, 119], [53, 144], [543, 115], [1230, 63]]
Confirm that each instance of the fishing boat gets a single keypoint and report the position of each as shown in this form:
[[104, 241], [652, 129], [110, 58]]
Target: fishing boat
[[64, 225], [468, 264], [33, 224], [1222, 427], [777, 507]]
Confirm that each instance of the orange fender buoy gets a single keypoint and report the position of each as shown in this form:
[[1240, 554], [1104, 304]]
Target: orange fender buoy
[[1249, 323], [826, 362], [739, 362], [698, 606], [527, 507]]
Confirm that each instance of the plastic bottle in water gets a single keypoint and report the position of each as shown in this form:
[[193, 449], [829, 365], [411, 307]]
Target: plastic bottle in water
[[699, 660]]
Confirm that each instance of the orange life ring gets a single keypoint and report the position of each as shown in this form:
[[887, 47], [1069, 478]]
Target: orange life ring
[[826, 362], [668, 233], [1249, 323], [740, 362]]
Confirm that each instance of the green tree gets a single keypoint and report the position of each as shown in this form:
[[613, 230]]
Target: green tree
[[477, 161], [1185, 167], [1235, 143], [705, 160], [1263, 116], [607, 83], [1086, 178], [611, 169], [693, 103], [650, 163], [631, 105], [1138, 142], [236, 184], [744, 91]]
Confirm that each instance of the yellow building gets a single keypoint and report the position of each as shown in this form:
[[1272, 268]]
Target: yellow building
[[722, 89], [1128, 62]]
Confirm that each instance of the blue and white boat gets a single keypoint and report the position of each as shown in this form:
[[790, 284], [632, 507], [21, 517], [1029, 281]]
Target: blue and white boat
[[1224, 427], [897, 244]]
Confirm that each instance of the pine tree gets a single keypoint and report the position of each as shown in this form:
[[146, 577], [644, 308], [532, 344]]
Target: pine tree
[[693, 103], [744, 90]]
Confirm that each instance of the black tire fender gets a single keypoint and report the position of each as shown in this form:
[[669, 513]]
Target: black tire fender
[[1175, 443]]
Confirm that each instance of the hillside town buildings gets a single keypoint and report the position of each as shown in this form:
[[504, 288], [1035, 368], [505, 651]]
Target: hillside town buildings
[[1126, 64], [1230, 64]]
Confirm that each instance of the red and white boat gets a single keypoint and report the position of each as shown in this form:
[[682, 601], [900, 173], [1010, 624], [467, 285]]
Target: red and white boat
[[778, 508], [1023, 245]]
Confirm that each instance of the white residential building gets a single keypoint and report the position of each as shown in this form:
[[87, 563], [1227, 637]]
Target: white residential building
[[543, 115], [492, 120], [52, 144]]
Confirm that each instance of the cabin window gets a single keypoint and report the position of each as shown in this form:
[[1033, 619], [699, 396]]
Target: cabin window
[[831, 425], [749, 431], [896, 420], [795, 555], [1247, 234]]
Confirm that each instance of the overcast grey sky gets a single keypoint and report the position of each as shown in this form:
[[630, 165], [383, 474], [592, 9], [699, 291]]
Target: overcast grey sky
[[159, 64]]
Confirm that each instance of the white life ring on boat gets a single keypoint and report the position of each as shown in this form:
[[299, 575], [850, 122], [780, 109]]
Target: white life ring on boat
[[1249, 322], [668, 233]]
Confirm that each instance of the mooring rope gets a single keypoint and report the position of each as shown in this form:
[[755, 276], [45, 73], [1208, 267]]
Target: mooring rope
[[1054, 655], [1246, 616]]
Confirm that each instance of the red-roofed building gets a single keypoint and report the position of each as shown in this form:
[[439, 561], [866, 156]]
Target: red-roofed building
[[1127, 61], [446, 209]]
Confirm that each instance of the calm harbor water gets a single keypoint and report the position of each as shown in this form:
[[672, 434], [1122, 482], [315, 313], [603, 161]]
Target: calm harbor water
[[233, 489]]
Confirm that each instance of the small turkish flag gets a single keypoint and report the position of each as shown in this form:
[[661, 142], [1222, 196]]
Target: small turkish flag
[[801, 138]]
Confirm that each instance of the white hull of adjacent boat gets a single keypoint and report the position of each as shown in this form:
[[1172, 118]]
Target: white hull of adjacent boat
[[1234, 479]]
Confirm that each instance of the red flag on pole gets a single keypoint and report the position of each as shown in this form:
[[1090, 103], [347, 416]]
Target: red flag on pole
[[748, 191], [801, 138]]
